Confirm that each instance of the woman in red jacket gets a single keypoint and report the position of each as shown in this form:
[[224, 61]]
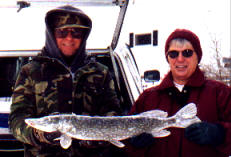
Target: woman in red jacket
[[186, 83]]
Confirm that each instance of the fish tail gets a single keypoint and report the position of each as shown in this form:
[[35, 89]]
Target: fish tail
[[186, 116]]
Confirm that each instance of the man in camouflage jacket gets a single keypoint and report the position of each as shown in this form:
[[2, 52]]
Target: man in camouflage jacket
[[64, 82]]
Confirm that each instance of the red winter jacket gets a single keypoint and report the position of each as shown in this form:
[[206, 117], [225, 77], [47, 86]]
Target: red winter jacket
[[213, 100]]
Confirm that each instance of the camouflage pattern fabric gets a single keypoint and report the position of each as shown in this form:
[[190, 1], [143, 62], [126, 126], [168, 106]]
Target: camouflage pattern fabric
[[68, 20], [45, 86]]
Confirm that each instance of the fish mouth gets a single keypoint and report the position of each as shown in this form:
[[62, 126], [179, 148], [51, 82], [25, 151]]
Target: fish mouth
[[29, 122]]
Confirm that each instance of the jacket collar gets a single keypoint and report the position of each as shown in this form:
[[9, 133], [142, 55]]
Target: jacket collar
[[196, 80]]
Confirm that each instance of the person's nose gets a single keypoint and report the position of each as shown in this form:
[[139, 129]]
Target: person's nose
[[180, 58], [69, 36]]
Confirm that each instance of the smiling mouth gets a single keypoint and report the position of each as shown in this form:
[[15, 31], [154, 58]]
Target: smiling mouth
[[181, 67], [68, 44]]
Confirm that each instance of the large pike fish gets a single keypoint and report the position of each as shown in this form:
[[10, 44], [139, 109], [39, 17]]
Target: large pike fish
[[113, 128]]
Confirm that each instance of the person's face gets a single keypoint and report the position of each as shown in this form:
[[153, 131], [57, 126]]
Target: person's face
[[68, 40], [182, 67]]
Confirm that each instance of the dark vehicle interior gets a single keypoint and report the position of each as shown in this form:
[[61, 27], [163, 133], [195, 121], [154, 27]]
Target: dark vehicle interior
[[7, 75], [9, 68]]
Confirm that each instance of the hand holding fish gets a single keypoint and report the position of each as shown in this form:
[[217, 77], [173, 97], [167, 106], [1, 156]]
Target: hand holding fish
[[113, 128], [142, 140], [47, 137], [205, 133]]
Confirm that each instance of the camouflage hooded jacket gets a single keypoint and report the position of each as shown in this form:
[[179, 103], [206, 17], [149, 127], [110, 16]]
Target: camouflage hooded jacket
[[47, 85]]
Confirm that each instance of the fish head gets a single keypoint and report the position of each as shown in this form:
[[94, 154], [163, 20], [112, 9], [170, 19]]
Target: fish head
[[47, 124]]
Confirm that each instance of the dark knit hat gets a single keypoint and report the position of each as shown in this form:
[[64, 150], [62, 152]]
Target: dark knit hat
[[188, 35]]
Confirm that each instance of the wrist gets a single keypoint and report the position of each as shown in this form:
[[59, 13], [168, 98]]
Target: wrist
[[39, 135]]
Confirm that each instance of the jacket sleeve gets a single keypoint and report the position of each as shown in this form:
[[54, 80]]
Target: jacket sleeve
[[22, 107], [224, 115], [137, 108]]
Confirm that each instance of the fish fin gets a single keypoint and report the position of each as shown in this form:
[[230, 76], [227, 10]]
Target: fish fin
[[186, 116], [117, 143], [183, 123], [161, 133], [154, 113], [189, 111], [65, 141]]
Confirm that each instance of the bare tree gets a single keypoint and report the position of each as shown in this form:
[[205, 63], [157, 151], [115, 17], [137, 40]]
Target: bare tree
[[215, 69]]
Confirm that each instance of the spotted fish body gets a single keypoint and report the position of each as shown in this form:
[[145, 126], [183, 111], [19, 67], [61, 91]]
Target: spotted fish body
[[113, 128]]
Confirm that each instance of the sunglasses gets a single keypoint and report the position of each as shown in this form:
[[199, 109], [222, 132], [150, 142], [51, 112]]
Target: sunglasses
[[186, 53], [75, 32]]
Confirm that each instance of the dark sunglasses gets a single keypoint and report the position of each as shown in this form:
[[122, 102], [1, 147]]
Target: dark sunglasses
[[186, 53], [75, 32]]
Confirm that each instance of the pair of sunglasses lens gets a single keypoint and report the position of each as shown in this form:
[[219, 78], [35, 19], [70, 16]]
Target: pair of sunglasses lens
[[186, 53], [75, 32]]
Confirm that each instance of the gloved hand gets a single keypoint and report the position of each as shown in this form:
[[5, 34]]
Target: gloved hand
[[205, 133], [142, 140], [47, 137]]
